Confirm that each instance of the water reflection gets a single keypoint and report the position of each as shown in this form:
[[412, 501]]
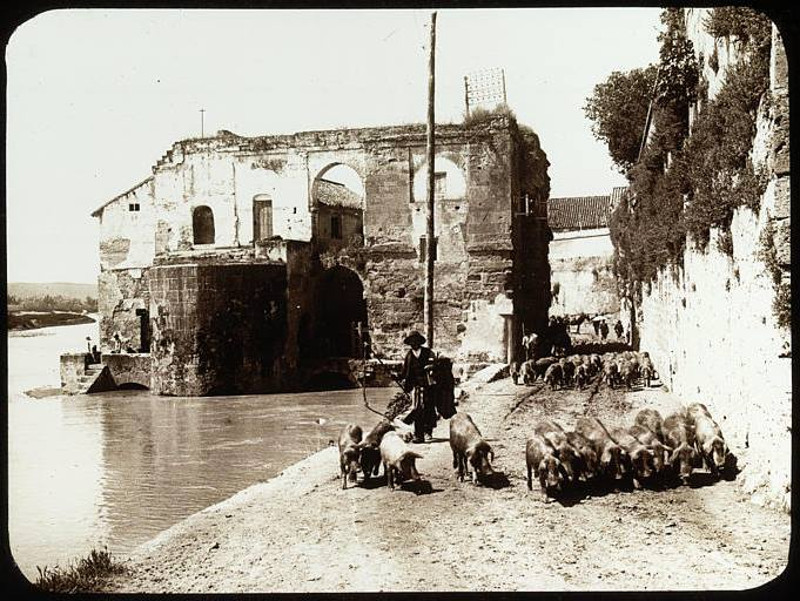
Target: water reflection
[[117, 468]]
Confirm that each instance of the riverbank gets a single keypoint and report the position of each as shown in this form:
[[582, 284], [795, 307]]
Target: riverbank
[[34, 320], [300, 532]]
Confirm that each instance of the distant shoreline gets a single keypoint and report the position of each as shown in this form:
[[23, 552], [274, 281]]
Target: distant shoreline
[[34, 320]]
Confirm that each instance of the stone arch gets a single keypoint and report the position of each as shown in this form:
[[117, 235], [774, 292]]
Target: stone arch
[[337, 195], [451, 181], [203, 225], [338, 309]]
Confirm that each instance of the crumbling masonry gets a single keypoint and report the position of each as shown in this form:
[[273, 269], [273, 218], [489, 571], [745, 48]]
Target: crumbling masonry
[[237, 266]]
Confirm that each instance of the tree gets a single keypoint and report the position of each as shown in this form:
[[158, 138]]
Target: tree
[[618, 110]]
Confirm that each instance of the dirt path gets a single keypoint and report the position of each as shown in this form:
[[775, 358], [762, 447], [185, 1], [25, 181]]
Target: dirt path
[[300, 532]]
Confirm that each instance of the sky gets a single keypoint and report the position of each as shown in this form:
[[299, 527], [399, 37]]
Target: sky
[[96, 97]]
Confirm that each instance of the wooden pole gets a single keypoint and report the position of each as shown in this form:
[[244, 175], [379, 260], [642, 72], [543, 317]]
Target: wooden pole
[[429, 242]]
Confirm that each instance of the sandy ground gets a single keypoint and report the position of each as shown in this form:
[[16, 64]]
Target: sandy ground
[[301, 532]]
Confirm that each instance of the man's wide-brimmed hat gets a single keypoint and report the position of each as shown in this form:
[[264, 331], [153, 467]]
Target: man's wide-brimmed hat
[[414, 336]]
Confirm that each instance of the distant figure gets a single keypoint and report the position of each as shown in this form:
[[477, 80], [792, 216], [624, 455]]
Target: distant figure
[[619, 330], [95, 354], [603, 330], [530, 343], [116, 344], [89, 344], [596, 326]]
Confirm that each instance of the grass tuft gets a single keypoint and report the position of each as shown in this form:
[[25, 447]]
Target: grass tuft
[[87, 575]]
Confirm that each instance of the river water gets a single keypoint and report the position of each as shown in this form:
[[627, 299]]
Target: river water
[[112, 470]]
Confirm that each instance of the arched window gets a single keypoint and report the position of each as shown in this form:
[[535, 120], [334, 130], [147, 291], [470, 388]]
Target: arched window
[[203, 225]]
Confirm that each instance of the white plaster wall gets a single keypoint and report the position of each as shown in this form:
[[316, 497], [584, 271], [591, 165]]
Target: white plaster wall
[[485, 328], [117, 222], [583, 243]]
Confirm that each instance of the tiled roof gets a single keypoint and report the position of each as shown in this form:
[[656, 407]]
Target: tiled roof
[[578, 212], [335, 194]]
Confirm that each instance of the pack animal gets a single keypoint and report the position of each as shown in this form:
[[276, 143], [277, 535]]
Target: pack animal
[[471, 453], [399, 460], [349, 453]]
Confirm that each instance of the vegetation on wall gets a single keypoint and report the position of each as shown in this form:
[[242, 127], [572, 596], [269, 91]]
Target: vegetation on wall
[[685, 185], [782, 302]]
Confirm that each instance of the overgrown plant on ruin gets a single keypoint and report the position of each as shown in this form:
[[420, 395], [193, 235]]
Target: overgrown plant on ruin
[[691, 174]]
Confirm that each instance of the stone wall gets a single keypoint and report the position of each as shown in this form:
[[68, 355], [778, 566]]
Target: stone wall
[[218, 328], [710, 325], [129, 368], [121, 293], [582, 279]]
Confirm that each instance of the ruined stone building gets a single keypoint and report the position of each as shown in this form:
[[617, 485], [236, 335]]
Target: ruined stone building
[[240, 262], [581, 254]]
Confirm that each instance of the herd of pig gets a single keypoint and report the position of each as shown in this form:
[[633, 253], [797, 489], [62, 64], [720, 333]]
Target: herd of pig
[[614, 369], [652, 450], [387, 444]]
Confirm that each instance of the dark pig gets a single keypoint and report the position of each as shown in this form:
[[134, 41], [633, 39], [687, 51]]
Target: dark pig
[[528, 372], [541, 366], [469, 448], [554, 376], [612, 457], [660, 450], [399, 460], [641, 456], [610, 374], [568, 371], [652, 420], [626, 374], [679, 435], [370, 448], [349, 453], [581, 377], [569, 456], [583, 445], [541, 461]]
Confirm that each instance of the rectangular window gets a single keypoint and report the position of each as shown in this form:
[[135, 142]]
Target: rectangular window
[[336, 227], [262, 219], [439, 184], [134, 206]]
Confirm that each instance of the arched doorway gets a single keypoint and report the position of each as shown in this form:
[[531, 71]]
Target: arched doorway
[[341, 314]]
